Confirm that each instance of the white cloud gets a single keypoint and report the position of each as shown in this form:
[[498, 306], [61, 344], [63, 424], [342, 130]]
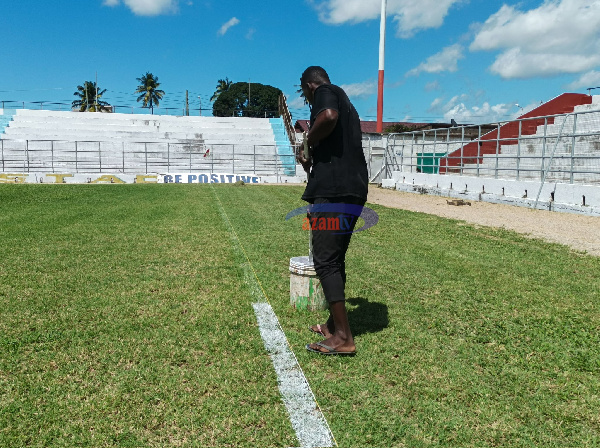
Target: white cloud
[[465, 109], [515, 63], [360, 89], [231, 22], [431, 86], [409, 15], [146, 7], [444, 61], [250, 33], [559, 36], [415, 15], [478, 114], [435, 105], [296, 103], [455, 100], [589, 79]]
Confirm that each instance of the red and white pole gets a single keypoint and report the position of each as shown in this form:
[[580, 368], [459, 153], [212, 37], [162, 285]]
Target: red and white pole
[[381, 68]]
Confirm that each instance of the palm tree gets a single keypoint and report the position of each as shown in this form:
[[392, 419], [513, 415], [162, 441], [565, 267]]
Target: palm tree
[[89, 98], [222, 86], [148, 88]]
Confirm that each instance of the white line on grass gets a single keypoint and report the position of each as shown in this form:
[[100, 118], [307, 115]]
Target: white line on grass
[[306, 417]]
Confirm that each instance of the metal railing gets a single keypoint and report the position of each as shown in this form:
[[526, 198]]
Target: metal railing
[[553, 148], [374, 151], [284, 112], [178, 111], [58, 156]]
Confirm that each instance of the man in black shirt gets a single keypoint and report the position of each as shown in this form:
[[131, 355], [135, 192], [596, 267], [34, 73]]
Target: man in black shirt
[[337, 188]]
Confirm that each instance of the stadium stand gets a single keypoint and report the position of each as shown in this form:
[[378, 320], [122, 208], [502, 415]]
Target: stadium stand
[[5, 118], [571, 141], [505, 139], [284, 148], [40, 140], [549, 158]]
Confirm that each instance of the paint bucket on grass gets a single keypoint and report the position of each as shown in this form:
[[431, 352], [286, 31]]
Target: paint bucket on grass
[[306, 292]]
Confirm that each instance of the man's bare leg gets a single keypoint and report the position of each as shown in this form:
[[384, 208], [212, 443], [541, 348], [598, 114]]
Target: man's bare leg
[[341, 340], [326, 330]]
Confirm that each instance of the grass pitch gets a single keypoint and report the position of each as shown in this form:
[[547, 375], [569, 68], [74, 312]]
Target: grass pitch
[[126, 321]]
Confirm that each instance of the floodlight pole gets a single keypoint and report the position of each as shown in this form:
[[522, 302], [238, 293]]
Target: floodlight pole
[[381, 68]]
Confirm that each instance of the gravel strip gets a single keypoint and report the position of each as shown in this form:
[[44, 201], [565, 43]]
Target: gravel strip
[[579, 232]]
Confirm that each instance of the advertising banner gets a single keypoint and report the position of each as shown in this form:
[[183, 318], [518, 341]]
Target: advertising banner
[[121, 178]]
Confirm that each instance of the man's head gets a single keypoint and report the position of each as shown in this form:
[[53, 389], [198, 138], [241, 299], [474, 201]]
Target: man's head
[[312, 78]]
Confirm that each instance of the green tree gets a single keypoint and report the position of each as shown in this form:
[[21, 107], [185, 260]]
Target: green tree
[[262, 102], [88, 98], [397, 129], [148, 90], [222, 86]]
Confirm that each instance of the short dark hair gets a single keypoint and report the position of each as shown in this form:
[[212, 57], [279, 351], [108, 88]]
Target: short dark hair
[[316, 74]]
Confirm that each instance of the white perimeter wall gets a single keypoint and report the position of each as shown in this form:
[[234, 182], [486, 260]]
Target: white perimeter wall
[[554, 196]]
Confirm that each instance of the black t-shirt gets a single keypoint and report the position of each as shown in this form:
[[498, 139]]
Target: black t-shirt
[[339, 166]]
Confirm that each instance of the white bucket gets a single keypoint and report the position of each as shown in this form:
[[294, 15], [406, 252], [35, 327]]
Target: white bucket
[[306, 292]]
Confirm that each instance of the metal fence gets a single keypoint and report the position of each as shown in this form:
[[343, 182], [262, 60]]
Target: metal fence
[[374, 151], [179, 111], [560, 148], [56, 156]]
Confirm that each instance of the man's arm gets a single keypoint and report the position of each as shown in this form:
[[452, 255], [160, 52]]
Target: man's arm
[[323, 126]]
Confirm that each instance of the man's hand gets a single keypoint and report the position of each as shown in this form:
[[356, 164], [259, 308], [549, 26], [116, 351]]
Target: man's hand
[[306, 163]]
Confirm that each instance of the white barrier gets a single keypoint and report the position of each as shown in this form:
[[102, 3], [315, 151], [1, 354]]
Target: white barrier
[[556, 196], [143, 178]]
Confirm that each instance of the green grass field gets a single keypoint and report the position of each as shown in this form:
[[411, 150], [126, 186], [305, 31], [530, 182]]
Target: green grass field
[[126, 320]]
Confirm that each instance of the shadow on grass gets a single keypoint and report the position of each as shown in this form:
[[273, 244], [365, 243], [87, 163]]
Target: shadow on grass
[[367, 317]]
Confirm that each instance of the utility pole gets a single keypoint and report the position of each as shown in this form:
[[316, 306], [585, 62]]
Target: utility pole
[[200, 109], [187, 105], [96, 96], [379, 128]]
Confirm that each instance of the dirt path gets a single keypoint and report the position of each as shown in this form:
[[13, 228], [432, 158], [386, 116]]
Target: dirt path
[[580, 232]]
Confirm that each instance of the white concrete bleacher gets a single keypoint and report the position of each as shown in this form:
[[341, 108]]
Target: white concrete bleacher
[[38, 140], [570, 143], [5, 119]]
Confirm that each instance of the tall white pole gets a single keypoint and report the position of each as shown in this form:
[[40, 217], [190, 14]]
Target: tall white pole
[[381, 67]]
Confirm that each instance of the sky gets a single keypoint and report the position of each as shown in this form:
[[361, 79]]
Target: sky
[[474, 61]]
